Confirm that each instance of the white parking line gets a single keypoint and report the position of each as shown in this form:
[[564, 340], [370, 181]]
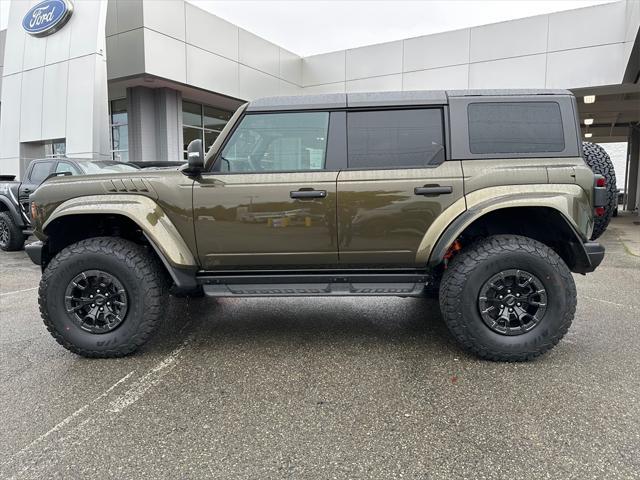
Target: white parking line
[[621, 305], [76, 429], [69, 418], [18, 291]]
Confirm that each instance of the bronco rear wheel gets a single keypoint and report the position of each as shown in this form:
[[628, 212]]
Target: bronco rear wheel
[[102, 297], [508, 298]]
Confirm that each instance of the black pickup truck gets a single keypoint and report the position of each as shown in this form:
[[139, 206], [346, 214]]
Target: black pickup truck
[[15, 225]]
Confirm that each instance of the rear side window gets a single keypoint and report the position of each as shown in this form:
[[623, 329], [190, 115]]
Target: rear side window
[[395, 138], [40, 172], [515, 127]]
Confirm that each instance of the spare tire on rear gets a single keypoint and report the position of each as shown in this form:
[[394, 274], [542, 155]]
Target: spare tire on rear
[[599, 162]]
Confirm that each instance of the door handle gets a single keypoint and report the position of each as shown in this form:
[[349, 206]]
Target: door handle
[[432, 190], [308, 194]]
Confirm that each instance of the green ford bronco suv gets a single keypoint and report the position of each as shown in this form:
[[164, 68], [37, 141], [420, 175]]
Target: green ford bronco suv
[[482, 194]]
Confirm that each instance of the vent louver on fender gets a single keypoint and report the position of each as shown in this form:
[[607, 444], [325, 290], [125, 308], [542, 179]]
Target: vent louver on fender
[[127, 185]]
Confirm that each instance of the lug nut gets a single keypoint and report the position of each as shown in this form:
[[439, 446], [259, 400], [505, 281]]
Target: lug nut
[[90, 296], [98, 290], [106, 294], [101, 309], [500, 297], [518, 303], [93, 304], [501, 306], [517, 294], [511, 309], [508, 291]]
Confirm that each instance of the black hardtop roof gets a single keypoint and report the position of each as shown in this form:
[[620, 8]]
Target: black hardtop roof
[[384, 99]]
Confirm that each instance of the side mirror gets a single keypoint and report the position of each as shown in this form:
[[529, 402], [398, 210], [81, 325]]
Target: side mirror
[[195, 158]]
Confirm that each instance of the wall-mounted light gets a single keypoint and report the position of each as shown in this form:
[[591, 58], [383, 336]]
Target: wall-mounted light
[[589, 98], [588, 121], [588, 135]]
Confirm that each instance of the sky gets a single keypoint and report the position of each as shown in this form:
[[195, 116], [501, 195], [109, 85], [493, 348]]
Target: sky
[[307, 27]]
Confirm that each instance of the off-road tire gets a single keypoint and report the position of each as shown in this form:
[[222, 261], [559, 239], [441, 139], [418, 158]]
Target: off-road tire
[[134, 266], [15, 239], [474, 265], [599, 162]]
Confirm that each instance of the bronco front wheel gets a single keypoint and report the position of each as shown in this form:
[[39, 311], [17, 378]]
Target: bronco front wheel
[[508, 298], [102, 297]]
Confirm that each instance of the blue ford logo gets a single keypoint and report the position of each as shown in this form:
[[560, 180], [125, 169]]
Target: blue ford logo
[[47, 17]]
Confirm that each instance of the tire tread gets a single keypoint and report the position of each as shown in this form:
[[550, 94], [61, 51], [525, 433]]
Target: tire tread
[[454, 279], [135, 257]]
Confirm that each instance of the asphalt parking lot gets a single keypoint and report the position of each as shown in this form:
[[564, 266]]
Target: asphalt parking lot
[[324, 388]]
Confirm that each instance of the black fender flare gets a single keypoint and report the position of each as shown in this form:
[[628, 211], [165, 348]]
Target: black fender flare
[[576, 255]]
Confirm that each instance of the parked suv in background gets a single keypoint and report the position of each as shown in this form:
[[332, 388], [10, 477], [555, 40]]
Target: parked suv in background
[[15, 224], [484, 193]]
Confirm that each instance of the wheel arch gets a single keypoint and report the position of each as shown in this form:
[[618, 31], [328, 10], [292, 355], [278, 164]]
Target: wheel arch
[[134, 217], [7, 206], [558, 216]]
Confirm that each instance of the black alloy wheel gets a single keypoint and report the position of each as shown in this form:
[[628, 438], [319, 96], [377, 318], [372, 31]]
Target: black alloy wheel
[[512, 302], [96, 301]]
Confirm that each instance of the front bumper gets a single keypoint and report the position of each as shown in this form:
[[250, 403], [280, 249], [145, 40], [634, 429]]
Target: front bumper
[[594, 253], [34, 250]]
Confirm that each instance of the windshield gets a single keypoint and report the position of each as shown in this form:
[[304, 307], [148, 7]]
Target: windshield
[[107, 167]]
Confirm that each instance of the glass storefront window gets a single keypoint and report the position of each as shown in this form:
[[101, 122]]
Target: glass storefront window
[[191, 114], [203, 122], [120, 130], [214, 118], [209, 138]]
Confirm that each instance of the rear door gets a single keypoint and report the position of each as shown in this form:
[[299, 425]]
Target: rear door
[[397, 183], [38, 171]]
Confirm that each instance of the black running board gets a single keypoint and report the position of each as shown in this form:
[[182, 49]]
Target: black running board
[[307, 284]]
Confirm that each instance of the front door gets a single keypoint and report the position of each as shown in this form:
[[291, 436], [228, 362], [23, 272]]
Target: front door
[[269, 200], [396, 184]]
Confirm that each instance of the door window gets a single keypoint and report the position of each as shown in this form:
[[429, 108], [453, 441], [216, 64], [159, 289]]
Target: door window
[[275, 142], [395, 138], [40, 172]]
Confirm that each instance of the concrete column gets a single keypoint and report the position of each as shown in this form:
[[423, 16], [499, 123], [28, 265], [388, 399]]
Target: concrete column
[[168, 124], [633, 183], [142, 124], [155, 124]]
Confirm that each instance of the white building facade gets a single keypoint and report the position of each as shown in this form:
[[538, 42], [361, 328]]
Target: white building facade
[[138, 79]]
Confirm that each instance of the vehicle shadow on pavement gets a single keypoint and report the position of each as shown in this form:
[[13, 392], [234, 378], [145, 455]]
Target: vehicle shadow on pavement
[[292, 321]]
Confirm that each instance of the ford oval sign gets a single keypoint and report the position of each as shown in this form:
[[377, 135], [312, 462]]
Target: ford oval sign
[[47, 17]]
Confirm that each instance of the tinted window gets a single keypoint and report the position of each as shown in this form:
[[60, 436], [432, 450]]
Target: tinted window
[[40, 172], [395, 138], [277, 142], [66, 167], [515, 127]]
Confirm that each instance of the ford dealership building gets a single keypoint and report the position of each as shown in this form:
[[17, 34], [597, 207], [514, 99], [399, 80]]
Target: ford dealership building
[[139, 79]]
